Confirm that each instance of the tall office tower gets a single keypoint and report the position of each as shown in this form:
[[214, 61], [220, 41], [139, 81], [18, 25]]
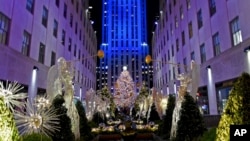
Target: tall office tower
[[124, 41], [35, 33], [215, 34]]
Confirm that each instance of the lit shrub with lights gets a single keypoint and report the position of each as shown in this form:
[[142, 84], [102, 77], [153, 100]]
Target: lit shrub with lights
[[236, 111], [165, 127], [191, 125], [8, 130]]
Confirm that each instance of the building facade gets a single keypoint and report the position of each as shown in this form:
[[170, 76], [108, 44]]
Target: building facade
[[124, 41], [215, 34], [35, 33]]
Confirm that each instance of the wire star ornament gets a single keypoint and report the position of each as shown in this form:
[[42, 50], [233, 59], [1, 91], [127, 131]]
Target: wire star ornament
[[44, 121], [11, 96]]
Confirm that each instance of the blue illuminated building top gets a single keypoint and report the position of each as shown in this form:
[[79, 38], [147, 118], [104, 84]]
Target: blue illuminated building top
[[124, 40]]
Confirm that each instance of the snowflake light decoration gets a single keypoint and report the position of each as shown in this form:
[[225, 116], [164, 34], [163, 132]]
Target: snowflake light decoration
[[39, 121], [11, 96], [42, 102]]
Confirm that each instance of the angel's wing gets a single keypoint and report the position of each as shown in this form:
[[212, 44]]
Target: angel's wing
[[52, 83], [195, 74]]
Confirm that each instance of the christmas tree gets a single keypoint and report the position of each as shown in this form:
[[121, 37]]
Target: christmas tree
[[65, 133], [237, 108], [124, 95], [190, 124], [85, 129], [167, 119], [8, 130], [154, 116], [141, 99], [106, 95]]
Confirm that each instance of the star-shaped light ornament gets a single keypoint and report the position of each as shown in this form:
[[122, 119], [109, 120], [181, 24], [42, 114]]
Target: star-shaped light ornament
[[10, 95], [44, 121], [42, 102]]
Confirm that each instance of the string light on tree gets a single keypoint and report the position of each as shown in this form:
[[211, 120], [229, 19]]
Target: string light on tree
[[124, 89]]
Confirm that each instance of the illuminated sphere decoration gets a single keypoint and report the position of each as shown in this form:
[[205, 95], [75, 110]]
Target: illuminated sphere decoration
[[100, 54], [148, 59], [124, 68], [36, 121]]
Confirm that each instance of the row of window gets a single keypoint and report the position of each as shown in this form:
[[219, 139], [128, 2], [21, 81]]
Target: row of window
[[212, 8], [30, 6], [235, 33], [236, 36], [45, 13]]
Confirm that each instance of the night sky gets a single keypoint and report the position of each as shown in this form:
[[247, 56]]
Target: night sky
[[96, 16]]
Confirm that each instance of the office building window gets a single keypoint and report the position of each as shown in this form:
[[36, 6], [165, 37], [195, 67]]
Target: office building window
[[203, 53], [168, 55], [57, 2], [79, 54], [75, 50], [77, 6], [190, 30], [65, 10], [183, 38], [181, 12], [166, 16], [185, 64], [26, 43], [63, 37], [179, 68], [176, 22], [192, 56], [55, 28], [70, 44], [76, 26], [71, 20], [236, 32], [4, 28], [177, 45], [173, 72], [199, 19], [30, 5], [216, 44], [212, 7], [172, 48], [174, 1], [171, 28], [53, 58], [41, 53], [170, 9], [188, 4], [45, 16]]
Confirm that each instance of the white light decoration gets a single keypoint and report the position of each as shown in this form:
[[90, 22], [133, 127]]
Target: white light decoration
[[59, 79], [42, 102], [10, 95], [39, 121], [124, 68]]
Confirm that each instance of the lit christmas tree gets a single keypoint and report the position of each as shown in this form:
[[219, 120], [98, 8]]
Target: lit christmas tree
[[236, 111], [124, 95], [107, 96]]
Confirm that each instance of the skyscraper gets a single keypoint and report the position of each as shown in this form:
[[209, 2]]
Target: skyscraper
[[124, 41], [213, 34], [48, 30]]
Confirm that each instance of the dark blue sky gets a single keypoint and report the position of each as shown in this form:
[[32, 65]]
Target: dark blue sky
[[96, 16]]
